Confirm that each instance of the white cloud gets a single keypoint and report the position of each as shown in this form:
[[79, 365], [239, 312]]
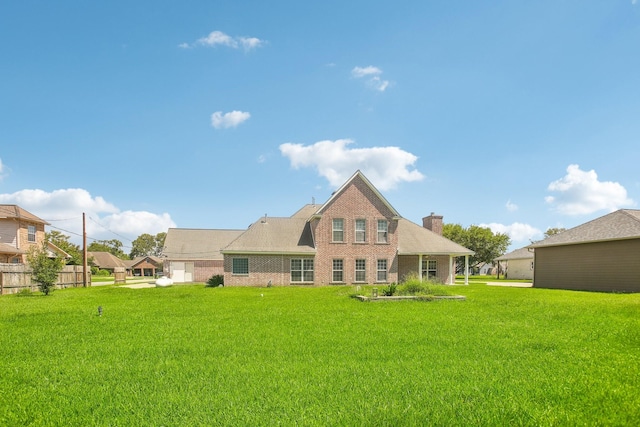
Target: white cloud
[[218, 38], [517, 231], [511, 207], [373, 77], [359, 72], [384, 166], [2, 170], [580, 193], [228, 120], [63, 209]]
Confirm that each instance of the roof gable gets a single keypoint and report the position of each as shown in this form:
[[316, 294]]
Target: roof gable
[[619, 225], [358, 176]]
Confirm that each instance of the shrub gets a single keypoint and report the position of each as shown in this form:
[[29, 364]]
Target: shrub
[[104, 273], [390, 290], [215, 281]]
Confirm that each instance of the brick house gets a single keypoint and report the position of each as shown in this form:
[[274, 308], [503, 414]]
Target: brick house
[[19, 231], [356, 237]]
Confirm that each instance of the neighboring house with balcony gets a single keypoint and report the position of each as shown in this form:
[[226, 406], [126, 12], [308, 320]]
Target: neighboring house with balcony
[[599, 255], [356, 237], [20, 230]]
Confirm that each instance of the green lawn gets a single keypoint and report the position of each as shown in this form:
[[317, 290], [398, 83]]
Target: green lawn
[[190, 355]]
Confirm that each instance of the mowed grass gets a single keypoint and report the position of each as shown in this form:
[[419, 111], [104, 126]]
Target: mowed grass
[[190, 355]]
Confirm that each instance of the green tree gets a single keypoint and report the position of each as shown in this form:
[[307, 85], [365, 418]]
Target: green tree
[[553, 231], [486, 244], [113, 246], [148, 245], [62, 241], [44, 269]]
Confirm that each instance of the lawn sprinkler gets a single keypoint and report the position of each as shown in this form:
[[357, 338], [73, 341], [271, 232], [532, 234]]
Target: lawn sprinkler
[[100, 310]]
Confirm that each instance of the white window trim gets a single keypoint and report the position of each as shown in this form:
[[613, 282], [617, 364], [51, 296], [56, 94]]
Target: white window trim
[[334, 230], [385, 231], [333, 270], [379, 270], [363, 231], [233, 267], [364, 271]]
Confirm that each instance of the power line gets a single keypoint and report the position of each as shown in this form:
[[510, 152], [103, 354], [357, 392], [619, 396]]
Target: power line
[[111, 231]]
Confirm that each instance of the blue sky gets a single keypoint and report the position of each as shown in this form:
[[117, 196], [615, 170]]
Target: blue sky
[[146, 115]]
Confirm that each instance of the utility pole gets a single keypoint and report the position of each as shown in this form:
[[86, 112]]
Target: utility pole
[[84, 251]]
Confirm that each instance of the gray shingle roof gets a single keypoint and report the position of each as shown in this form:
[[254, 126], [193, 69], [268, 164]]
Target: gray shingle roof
[[197, 244], [414, 239], [619, 225], [275, 235], [106, 260], [522, 253]]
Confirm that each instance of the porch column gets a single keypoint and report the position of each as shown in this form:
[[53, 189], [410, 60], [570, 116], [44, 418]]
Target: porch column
[[466, 269], [420, 267], [452, 277]]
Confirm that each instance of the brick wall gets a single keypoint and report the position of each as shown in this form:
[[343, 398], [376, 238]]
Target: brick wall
[[262, 269], [357, 201], [409, 264]]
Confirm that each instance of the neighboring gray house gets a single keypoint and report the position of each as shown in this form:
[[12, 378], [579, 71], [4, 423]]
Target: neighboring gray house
[[600, 255], [193, 255], [517, 264]]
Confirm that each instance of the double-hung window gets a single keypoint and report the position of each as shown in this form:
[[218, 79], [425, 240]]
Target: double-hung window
[[302, 270], [338, 270], [382, 270], [361, 270], [429, 268], [240, 266], [31, 233], [337, 234], [361, 230], [383, 230]]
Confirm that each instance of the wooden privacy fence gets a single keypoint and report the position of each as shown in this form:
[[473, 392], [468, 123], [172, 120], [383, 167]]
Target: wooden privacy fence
[[15, 277]]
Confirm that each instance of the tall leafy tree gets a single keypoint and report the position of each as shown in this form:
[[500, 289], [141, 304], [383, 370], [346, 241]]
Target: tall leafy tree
[[62, 241], [553, 231], [486, 244], [148, 245], [44, 270], [113, 246]]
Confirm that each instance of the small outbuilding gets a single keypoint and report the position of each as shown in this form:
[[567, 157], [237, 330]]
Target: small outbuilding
[[600, 255]]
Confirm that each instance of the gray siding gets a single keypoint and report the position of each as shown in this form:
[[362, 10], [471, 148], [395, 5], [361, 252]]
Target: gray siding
[[599, 266]]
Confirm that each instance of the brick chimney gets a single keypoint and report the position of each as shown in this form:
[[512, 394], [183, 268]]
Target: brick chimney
[[433, 222]]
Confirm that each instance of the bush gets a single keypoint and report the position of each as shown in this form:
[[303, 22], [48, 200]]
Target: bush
[[390, 290], [215, 281], [104, 273]]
